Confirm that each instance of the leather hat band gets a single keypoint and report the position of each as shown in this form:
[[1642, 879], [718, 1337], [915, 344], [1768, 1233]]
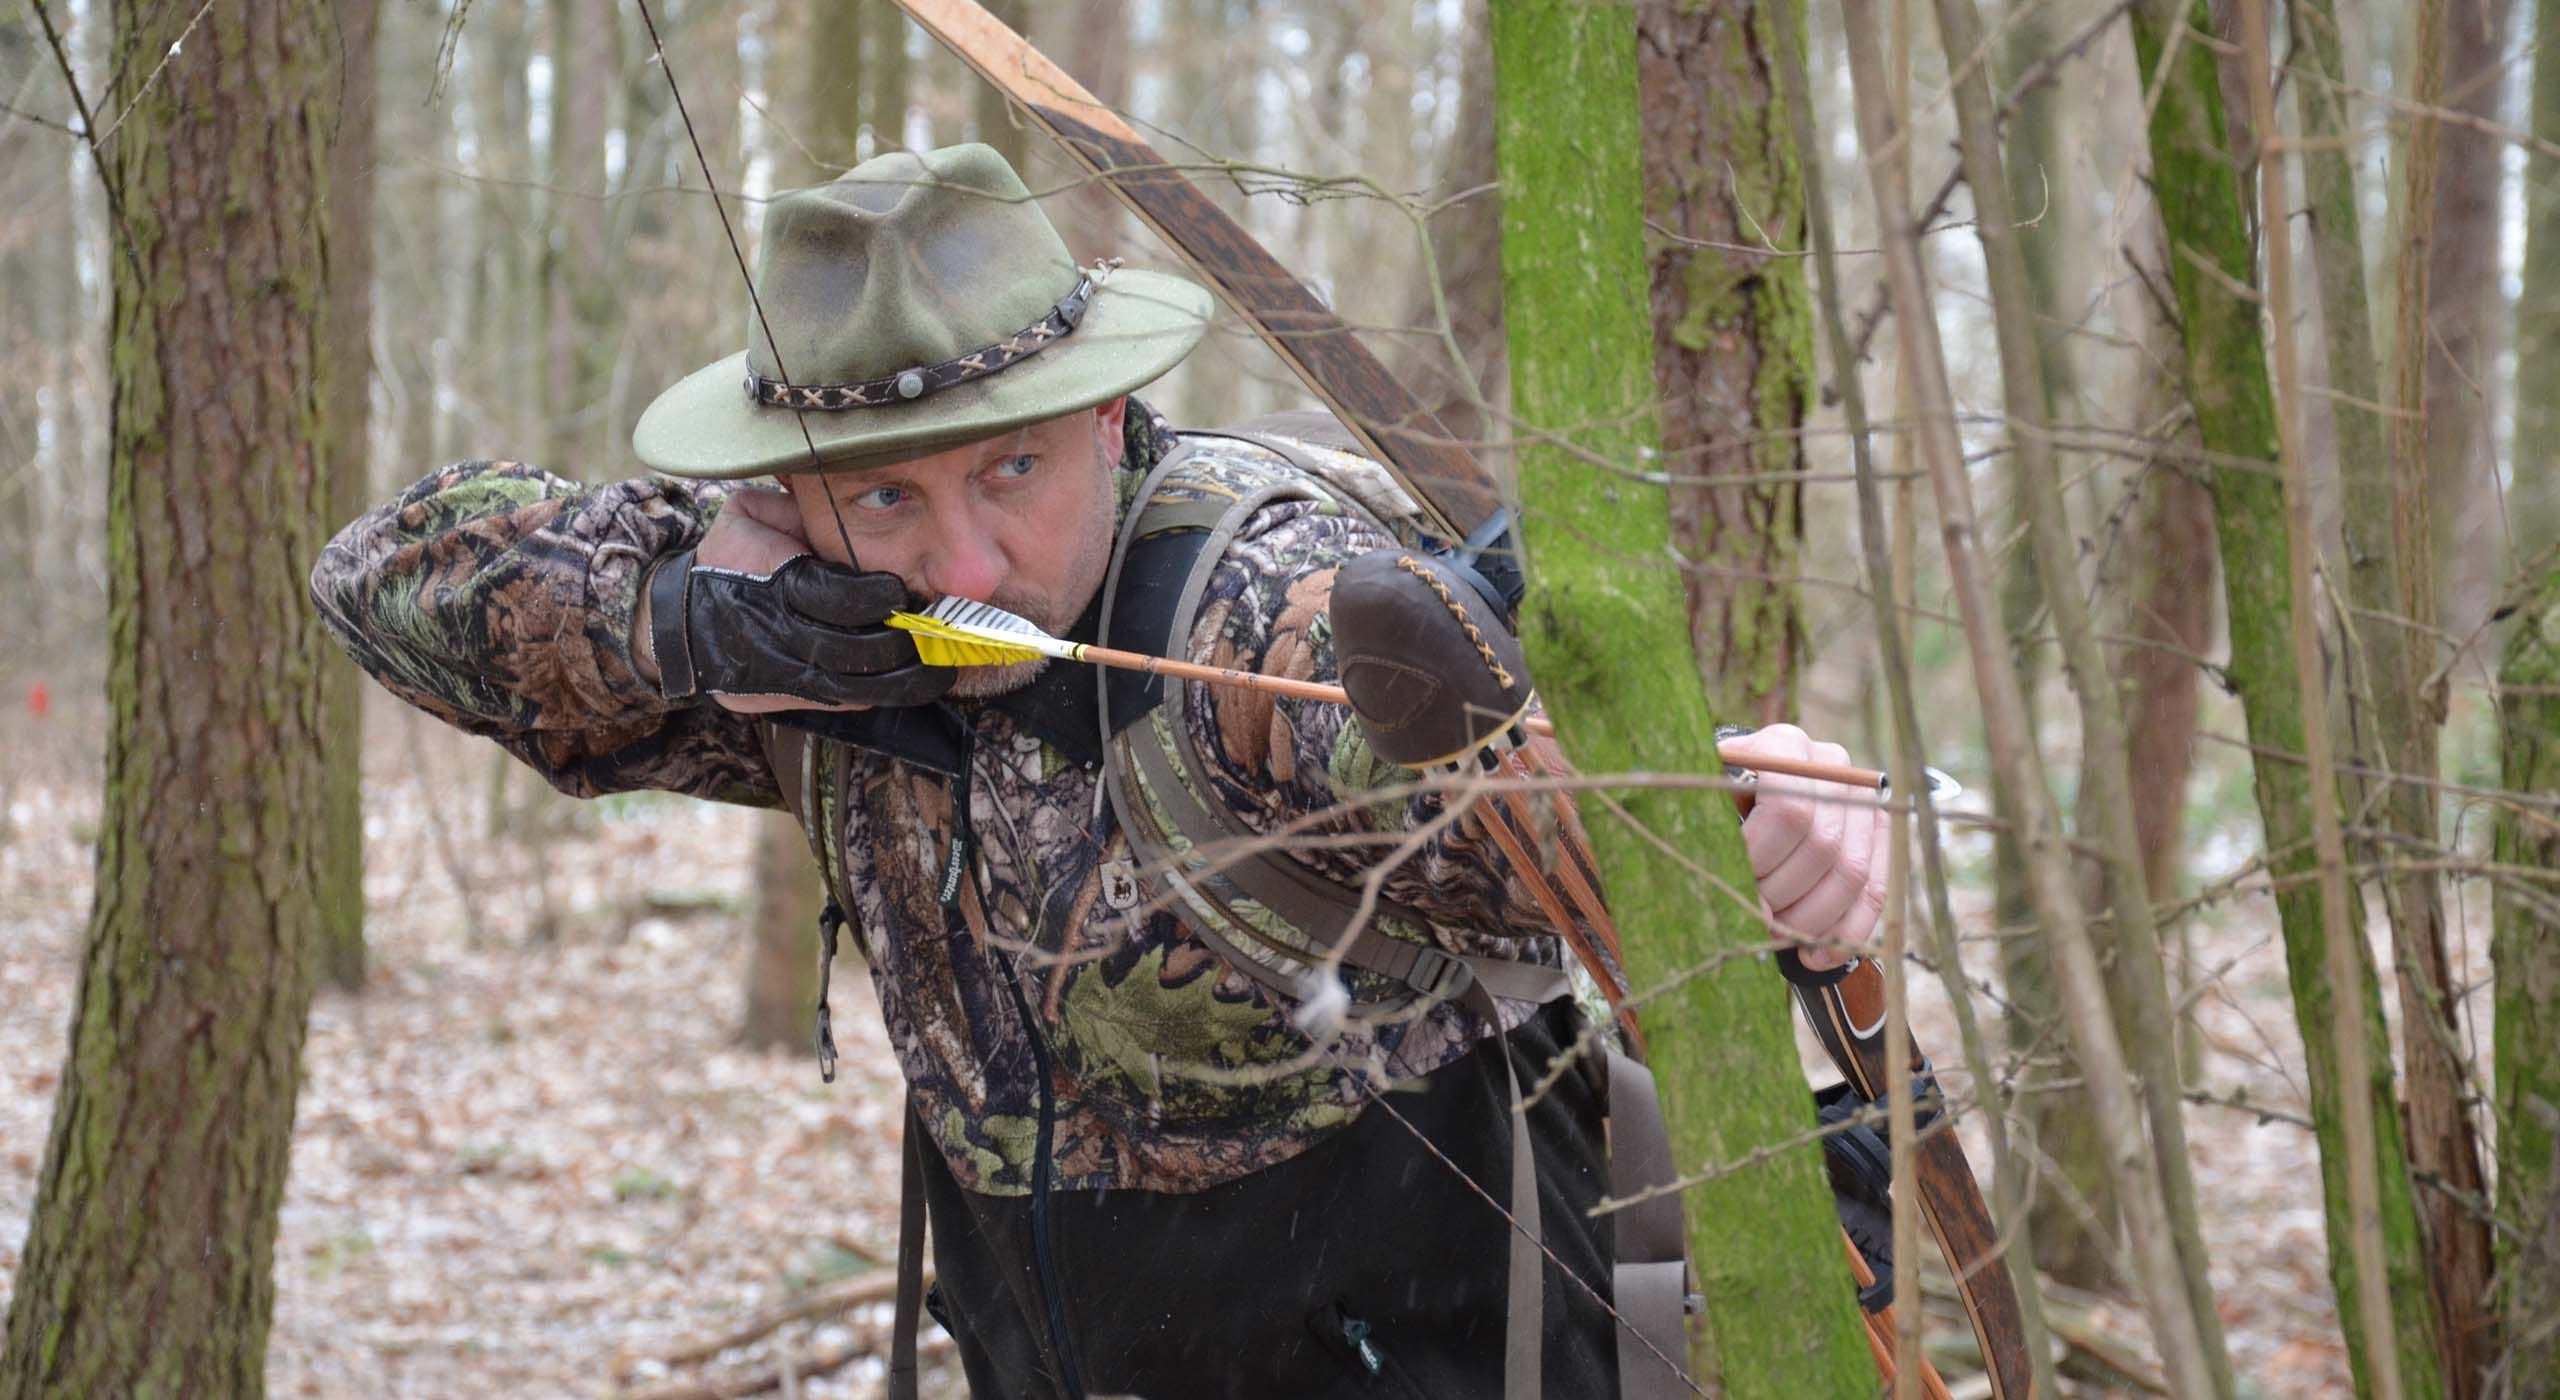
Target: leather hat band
[[908, 385]]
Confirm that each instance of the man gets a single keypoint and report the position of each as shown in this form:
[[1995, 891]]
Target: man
[[1149, 1168]]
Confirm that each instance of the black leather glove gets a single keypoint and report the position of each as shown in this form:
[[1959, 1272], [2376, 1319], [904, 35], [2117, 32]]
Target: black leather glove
[[810, 630], [1432, 671]]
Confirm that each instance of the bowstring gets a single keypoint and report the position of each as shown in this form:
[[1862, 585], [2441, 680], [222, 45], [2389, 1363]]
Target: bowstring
[[739, 255]]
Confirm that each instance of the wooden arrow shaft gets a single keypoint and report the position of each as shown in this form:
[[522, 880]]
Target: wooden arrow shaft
[[1730, 752]]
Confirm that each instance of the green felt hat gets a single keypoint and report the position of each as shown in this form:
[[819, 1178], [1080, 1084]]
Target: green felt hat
[[920, 302]]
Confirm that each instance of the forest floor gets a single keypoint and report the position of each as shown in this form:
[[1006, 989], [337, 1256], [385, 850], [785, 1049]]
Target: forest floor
[[530, 1161]]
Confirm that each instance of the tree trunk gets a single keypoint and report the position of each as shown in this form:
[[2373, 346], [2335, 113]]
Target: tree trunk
[[147, 1267], [782, 965], [2073, 1247], [884, 78], [995, 125], [1732, 337], [27, 160], [1462, 378], [2524, 951], [831, 91], [2235, 412], [2533, 498], [1598, 622], [2433, 451], [582, 336], [2463, 315], [347, 364]]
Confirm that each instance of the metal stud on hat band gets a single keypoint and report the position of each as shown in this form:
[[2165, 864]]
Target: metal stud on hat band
[[911, 384]]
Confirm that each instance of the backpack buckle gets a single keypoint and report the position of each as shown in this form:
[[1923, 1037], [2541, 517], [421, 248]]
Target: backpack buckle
[[1438, 974]]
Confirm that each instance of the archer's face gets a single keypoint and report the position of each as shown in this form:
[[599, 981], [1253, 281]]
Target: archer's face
[[1023, 521]]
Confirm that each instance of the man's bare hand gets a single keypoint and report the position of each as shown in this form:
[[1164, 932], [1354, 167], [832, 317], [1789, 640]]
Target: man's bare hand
[[756, 532], [1820, 851]]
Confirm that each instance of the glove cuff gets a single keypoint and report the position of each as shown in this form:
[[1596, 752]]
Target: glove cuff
[[670, 593]]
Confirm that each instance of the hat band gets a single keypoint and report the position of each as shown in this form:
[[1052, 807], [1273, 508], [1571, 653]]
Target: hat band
[[911, 384]]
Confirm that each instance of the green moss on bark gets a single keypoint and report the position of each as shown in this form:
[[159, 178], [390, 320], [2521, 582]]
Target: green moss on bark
[[2525, 953], [1608, 637], [2199, 198], [146, 1270]]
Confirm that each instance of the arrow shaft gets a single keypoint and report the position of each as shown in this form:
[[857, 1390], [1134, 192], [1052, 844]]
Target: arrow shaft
[[1729, 751]]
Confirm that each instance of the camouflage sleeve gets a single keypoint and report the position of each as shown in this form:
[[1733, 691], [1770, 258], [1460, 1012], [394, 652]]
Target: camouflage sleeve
[[1278, 761], [499, 598]]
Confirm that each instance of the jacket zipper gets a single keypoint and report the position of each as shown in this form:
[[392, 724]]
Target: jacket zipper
[[957, 867]]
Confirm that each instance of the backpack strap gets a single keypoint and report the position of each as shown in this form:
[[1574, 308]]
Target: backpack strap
[[1650, 1285]]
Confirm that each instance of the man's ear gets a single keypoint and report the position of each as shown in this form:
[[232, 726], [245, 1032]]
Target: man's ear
[[1110, 421]]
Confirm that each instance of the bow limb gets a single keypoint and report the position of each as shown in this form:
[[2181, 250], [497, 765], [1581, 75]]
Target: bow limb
[[1846, 1010]]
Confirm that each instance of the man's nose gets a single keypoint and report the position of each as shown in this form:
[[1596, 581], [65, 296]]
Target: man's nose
[[966, 561]]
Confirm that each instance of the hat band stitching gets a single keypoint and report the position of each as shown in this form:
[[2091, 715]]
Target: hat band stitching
[[908, 385]]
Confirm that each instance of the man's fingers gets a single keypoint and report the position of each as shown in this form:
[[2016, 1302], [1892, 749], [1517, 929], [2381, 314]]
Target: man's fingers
[[1840, 887], [767, 507], [1778, 824], [1818, 851]]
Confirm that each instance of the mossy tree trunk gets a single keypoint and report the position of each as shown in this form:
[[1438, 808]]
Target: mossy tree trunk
[[348, 365], [2383, 471], [1607, 632], [147, 1263], [2199, 199], [1732, 336], [2524, 951]]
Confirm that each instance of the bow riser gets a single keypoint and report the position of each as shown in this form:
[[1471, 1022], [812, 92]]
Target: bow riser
[[1847, 1016]]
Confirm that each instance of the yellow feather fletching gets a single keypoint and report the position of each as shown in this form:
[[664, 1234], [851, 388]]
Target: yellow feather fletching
[[940, 643]]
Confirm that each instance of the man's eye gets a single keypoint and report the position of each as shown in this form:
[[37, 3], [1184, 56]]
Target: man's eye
[[1012, 467], [879, 498]]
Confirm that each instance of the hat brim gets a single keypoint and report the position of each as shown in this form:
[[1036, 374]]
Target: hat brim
[[1139, 325]]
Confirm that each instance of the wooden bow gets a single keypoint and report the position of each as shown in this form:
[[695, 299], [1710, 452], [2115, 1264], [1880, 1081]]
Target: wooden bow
[[1847, 1010]]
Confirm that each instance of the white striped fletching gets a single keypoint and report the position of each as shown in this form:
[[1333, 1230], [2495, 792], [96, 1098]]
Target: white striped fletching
[[959, 632]]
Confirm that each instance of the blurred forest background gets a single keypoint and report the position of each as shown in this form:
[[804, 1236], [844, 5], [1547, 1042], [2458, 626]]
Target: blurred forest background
[[557, 1129]]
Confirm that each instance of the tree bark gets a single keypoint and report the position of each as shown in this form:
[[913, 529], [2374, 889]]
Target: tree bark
[[2235, 411], [2524, 952], [1598, 622], [2463, 314], [2020, 786], [1732, 337], [782, 966], [582, 302], [29, 242], [2390, 725], [347, 365], [2533, 498], [884, 77], [147, 1267], [1462, 378]]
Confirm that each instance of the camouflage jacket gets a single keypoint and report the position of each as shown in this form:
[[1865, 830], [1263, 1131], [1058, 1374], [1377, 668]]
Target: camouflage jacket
[[499, 598]]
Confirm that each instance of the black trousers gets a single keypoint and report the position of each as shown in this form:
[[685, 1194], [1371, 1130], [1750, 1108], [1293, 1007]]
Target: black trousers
[[1362, 1267]]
